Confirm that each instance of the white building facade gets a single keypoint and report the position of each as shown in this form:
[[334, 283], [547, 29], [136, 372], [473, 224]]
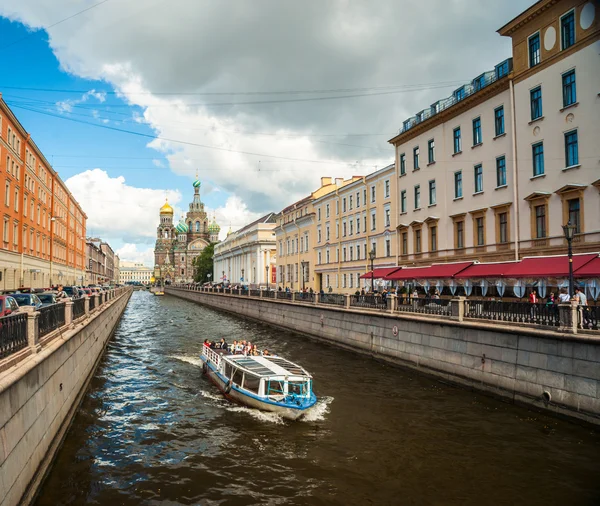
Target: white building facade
[[132, 272]]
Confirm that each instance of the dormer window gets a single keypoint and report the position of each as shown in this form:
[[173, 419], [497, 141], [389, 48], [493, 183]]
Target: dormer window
[[459, 94]]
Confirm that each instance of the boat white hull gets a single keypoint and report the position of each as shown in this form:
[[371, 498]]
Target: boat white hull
[[240, 397]]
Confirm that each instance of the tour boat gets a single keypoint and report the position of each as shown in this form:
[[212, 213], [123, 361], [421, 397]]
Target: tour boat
[[269, 383], [159, 293]]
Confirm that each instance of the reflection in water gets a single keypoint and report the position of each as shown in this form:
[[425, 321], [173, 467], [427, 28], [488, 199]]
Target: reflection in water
[[151, 431]]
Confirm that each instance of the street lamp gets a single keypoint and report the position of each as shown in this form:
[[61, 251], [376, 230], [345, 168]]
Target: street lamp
[[267, 274], [569, 231], [303, 274], [372, 257], [209, 275]]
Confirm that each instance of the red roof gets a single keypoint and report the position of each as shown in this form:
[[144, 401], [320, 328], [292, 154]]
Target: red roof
[[433, 271], [380, 273], [495, 270], [555, 266], [589, 270]]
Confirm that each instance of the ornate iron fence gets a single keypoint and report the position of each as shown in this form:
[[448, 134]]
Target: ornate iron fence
[[78, 307], [13, 334], [369, 301], [425, 306], [304, 297], [517, 312], [269, 294], [92, 300], [336, 299], [51, 317], [590, 316], [284, 295], [254, 293]]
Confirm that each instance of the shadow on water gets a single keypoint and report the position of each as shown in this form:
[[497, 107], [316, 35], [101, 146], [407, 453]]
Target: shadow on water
[[152, 431]]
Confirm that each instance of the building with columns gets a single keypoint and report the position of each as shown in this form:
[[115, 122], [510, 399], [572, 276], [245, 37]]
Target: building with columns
[[134, 272], [177, 245], [248, 256]]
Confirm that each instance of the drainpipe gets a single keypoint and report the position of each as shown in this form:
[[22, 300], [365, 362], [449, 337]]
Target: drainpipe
[[515, 170]]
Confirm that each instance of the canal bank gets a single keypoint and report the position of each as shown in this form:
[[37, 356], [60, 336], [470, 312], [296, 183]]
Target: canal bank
[[546, 369], [40, 393]]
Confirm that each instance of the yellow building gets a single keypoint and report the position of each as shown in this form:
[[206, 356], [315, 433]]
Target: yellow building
[[297, 234], [351, 222]]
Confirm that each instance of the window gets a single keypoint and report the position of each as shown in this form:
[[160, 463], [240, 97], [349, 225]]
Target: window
[[7, 194], [536, 103], [17, 200], [460, 234], [431, 150], [574, 215], [405, 243], [538, 158], [569, 90], [365, 196], [319, 235], [417, 196], [418, 241], [327, 256], [402, 164], [478, 174], [387, 188], [459, 94], [327, 211], [416, 158], [503, 227], [403, 201], [500, 172], [351, 224], [457, 140], [499, 120], [502, 69], [433, 238], [373, 221], [477, 139], [534, 50], [337, 207], [479, 223], [432, 196], [326, 236], [567, 30], [358, 252], [458, 185], [5, 230], [357, 199], [540, 221], [351, 252], [350, 202], [372, 194], [571, 149], [344, 205], [343, 229], [358, 225], [388, 248], [319, 258], [387, 217]]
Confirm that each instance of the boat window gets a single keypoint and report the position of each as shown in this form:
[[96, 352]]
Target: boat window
[[237, 377], [228, 369], [251, 382], [275, 387], [298, 388]]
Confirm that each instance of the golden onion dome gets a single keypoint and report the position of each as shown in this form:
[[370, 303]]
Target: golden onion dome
[[166, 209]]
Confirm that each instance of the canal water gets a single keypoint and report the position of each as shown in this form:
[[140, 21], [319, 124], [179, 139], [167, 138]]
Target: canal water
[[152, 431]]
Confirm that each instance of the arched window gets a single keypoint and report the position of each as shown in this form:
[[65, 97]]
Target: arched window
[[166, 234], [197, 226]]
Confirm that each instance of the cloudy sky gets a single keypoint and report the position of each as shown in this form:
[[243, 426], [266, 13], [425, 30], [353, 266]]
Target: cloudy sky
[[129, 99]]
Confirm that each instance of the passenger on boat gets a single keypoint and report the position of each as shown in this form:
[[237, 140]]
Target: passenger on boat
[[255, 352], [265, 352], [239, 348], [223, 344]]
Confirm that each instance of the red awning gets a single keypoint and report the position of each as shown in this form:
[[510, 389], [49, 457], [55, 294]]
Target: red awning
[[433, 271], [380, 273], [589, 270], [495, 270], [555, 266]]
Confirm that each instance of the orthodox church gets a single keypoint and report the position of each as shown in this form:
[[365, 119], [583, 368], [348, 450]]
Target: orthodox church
[[178, 245]]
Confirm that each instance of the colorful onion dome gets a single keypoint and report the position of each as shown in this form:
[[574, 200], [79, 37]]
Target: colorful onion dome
[[196, 184], [214, 228], [182, 227], [166, 209]]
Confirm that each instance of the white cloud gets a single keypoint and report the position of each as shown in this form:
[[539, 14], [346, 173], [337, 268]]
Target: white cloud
[[118, 211], [67, 105], [130, 253], [234, 214]]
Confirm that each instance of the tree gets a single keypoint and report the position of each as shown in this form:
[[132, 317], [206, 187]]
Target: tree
[[203, 264]]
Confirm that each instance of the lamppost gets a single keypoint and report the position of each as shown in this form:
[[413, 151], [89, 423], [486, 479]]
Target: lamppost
[[303, 274], [209, 275], [242, 280], [372, 257], [267, 275], [569, 231]]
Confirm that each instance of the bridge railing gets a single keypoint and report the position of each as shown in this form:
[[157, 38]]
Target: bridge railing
[[23, 332]]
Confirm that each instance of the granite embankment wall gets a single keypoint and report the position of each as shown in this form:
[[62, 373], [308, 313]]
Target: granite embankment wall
[[544, 368], [40, 395]]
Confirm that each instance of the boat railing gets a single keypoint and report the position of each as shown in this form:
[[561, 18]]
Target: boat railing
[[212, 355]]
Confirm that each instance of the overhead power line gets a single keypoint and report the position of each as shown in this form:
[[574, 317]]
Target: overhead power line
[[46, 28]]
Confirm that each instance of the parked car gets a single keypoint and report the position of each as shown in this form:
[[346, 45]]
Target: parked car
[[71, 291], [28, 299], [87, 291], [47, 298], [8, 305]]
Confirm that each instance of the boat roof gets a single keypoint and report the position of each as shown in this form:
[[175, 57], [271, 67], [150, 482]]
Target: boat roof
[[265, 366]]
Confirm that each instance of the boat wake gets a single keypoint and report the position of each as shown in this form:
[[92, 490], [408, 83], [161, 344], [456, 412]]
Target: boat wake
[[189, 359], [261, 416], [318, 412]]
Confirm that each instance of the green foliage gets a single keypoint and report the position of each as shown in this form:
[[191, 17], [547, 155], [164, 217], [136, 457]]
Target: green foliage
[[203, 264]]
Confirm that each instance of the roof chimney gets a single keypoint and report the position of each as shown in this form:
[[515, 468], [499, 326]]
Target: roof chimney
[[339, 181], [325, 181]]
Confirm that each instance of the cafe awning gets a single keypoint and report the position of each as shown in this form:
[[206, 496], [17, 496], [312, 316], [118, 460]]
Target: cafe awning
[[550, 266], [589, 270], [435, 271], [380, 273], [493, 270]]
